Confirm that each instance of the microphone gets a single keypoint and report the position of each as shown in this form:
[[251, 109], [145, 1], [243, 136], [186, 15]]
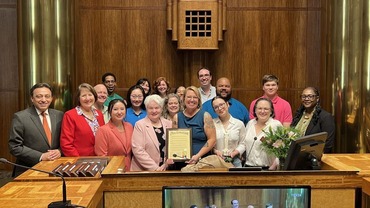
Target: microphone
[[57, 204], [250, 150]]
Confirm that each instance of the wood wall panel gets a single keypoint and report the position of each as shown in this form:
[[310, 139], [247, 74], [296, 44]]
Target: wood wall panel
[[9, 73], [130, 39]]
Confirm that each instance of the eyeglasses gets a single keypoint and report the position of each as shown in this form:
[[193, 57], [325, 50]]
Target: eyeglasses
[[310, 97], [263, 109], [220, 106], [136, 96]]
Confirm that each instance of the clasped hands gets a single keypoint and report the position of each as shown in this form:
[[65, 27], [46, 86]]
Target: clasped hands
[[51, 155], [165, 165], [226, 158]]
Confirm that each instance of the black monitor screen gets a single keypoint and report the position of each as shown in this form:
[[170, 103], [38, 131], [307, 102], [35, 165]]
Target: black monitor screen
[[305, 153], [244, 196]]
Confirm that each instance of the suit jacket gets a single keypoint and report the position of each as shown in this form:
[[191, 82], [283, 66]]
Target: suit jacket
[[145, 145], [324, 124], [77, 138], [110, 142], [28, 140]]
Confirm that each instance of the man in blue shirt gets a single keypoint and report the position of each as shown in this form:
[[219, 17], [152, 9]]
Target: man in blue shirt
[[236, 109]]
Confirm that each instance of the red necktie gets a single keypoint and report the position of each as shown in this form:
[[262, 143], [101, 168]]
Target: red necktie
[[46, 127]]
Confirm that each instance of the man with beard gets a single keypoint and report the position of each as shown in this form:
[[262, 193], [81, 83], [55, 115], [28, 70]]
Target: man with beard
[[236, 109], [283, 111], [109, 80]]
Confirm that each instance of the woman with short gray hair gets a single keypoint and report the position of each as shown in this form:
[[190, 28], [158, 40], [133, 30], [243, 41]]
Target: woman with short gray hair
[[149, 138]]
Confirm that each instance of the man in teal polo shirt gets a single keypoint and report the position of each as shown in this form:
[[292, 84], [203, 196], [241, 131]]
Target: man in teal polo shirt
[[109, 80]]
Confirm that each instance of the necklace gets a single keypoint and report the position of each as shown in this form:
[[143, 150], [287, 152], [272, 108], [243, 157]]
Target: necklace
[[307, 115]]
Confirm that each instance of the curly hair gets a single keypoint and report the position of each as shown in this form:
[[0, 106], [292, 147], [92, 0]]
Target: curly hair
[[301, 109], [157, 82]]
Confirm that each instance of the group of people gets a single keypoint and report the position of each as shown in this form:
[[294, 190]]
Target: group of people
[[105, 124]]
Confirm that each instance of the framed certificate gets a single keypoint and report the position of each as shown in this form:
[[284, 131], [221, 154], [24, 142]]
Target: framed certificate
[[178, 144]]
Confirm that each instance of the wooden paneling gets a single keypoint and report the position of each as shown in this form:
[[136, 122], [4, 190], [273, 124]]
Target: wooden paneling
[[129, 38], [9, 72]]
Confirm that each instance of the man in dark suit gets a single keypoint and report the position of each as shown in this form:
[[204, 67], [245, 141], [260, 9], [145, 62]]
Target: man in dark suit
[[35, 131]]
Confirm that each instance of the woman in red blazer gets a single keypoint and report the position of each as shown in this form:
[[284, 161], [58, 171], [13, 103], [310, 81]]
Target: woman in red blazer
[[114, 138], [80, 124]]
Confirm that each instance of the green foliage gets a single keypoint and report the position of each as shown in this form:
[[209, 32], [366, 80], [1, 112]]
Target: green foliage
[[277, 141]]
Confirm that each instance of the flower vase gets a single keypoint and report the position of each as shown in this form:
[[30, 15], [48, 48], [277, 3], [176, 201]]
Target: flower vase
[[281, 164]]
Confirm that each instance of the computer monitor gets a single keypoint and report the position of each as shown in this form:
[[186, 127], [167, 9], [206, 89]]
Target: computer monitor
[[305, 153], [224, 196]]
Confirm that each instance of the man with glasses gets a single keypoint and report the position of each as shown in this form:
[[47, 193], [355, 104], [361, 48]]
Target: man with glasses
[[283, 111], [236, 109], [206, 90], [35, 131], [109, 80]]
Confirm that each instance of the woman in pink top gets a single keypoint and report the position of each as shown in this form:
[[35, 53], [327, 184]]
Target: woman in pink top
[[114, 138]]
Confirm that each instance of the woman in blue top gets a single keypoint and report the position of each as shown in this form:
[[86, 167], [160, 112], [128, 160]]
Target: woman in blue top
[[201, 123], [135, 104]]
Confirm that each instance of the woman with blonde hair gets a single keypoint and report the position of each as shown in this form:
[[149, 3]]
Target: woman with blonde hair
[[201, 123], [172, 105]]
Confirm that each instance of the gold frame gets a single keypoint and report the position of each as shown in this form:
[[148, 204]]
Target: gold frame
[[179, 144]]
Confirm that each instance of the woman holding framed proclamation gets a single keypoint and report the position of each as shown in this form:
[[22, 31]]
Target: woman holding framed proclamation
[[201, 123], [149, 138]]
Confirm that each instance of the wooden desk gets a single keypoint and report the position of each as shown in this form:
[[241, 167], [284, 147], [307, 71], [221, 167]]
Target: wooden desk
[[352, 162], [143, 189], [334, 187], [42, 193]]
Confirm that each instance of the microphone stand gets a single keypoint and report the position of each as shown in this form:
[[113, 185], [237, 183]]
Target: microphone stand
[[57, 204], [250, 150]]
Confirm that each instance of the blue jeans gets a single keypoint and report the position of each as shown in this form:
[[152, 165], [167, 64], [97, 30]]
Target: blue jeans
[[237, 162]]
